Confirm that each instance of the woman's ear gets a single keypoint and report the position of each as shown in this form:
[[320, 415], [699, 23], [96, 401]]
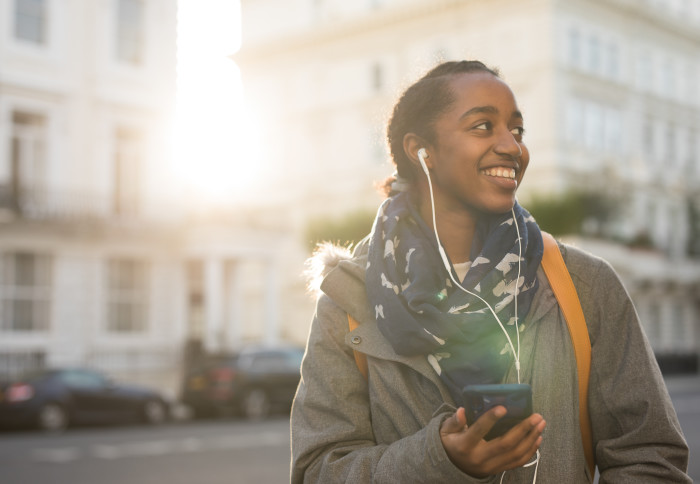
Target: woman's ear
[[411, 144]]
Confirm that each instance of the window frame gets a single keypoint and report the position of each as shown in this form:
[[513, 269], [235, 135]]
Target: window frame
[[131, 301], [38, 292]]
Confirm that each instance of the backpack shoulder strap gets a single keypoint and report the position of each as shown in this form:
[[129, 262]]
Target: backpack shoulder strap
[[360, 358], [565, 292]]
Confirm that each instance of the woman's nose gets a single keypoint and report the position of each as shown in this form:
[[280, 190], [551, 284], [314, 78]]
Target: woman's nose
[[506, 144]]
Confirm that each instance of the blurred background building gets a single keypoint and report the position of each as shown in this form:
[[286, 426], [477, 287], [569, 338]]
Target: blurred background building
[[102, 261], [107, 262], [610, 91]]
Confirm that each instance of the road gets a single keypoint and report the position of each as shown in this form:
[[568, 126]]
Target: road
[[214, 452], [208, 452]]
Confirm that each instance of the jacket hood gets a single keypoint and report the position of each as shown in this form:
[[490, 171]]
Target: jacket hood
[[325, 258], [339, 273]]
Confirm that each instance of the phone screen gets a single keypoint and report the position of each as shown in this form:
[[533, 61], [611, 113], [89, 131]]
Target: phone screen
[[516, 397]]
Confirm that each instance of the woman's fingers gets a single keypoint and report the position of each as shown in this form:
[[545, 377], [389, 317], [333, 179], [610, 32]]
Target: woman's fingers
[[517, 446], [467, 448], [484, 424]]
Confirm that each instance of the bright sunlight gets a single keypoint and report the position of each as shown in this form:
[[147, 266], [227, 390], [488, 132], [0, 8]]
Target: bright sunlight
[[215, 134]]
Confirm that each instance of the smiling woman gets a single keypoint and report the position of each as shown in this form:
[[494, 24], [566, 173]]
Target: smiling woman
[[214, 136]]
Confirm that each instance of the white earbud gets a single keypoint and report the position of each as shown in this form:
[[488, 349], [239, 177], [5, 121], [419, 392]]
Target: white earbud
[[422, 155]]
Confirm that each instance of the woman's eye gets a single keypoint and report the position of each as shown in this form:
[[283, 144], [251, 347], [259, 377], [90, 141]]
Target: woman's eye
[[518, 131], [483, 126]]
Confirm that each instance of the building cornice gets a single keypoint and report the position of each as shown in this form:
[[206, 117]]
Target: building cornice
[[326, 32], [659, 18]]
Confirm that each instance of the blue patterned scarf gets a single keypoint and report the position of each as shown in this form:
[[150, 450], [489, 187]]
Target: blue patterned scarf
[[419, 310]]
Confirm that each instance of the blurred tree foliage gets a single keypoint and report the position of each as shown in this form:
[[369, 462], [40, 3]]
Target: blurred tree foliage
[[344, 230], [573, 212]]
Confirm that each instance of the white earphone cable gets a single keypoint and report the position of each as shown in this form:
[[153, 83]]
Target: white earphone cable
[[446, 263]]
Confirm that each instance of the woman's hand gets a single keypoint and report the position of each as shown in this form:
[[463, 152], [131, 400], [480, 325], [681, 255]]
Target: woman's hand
[[467, 449]]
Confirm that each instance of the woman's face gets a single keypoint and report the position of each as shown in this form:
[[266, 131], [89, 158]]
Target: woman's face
[[479, 158]]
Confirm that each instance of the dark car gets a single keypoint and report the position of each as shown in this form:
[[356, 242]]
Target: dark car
[[254, 383], [53, 399]]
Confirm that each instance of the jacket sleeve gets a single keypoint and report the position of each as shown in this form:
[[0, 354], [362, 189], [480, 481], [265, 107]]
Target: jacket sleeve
[[636, 432], [331, 428]]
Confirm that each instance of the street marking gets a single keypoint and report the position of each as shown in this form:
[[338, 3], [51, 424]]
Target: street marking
[[57, 456], [160, 447]]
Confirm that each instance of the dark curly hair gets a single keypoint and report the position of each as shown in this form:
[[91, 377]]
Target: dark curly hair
[[419, 107]]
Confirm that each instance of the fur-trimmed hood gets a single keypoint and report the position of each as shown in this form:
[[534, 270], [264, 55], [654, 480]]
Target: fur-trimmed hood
[[326, 257]]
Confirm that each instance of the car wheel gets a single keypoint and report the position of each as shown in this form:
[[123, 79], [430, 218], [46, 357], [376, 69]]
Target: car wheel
[[52, 417], [154, 412], [256, 404]]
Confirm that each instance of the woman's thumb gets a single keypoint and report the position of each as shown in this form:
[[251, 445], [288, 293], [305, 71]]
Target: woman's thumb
[[455, 423]]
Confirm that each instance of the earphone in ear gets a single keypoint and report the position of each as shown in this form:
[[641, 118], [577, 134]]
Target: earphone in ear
[[422, 155]]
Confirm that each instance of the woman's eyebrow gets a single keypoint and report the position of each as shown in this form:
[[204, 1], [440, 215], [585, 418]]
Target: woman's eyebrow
[[489, 110], [479, 110]]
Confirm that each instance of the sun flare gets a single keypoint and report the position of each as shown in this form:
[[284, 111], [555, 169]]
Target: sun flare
[[215, 133]]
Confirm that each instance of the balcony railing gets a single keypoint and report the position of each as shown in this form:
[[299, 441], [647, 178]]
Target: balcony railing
[[68, 205]]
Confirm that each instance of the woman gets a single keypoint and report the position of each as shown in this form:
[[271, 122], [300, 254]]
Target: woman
[[449, 292]]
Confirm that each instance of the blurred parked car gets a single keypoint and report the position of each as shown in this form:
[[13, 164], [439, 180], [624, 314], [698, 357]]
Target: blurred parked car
[[53, 399], [254, 383]]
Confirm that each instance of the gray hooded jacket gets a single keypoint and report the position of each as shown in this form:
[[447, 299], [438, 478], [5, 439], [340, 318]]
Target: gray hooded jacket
[[386, 429]]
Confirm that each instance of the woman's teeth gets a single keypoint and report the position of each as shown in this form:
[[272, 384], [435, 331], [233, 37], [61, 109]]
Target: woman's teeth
[[501, 172]]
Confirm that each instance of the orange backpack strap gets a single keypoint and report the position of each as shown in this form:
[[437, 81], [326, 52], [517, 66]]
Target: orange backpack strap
[[565, 292], [360, 358]]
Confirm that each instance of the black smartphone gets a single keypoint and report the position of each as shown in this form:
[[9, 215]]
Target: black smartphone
[[516, 397]]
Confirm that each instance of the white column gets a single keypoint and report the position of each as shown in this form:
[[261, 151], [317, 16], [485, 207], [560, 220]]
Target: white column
[[271, 336], [234, 305], [213, 297]]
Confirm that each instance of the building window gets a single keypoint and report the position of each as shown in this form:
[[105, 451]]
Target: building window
[[126, 296], [574, 122], [574, 47], [671, 142], [612, 61], [679, 329], [593, 127], [668, 78], [594, 54], [128, 158], [645, 79], [25, 295], [130, 31], [648, 141], [31, 21], [692, 162], [653, 325], [613, 132], [23, 172]]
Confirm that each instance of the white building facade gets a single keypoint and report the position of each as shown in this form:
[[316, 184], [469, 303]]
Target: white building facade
[[610, 91], [100, 263]]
